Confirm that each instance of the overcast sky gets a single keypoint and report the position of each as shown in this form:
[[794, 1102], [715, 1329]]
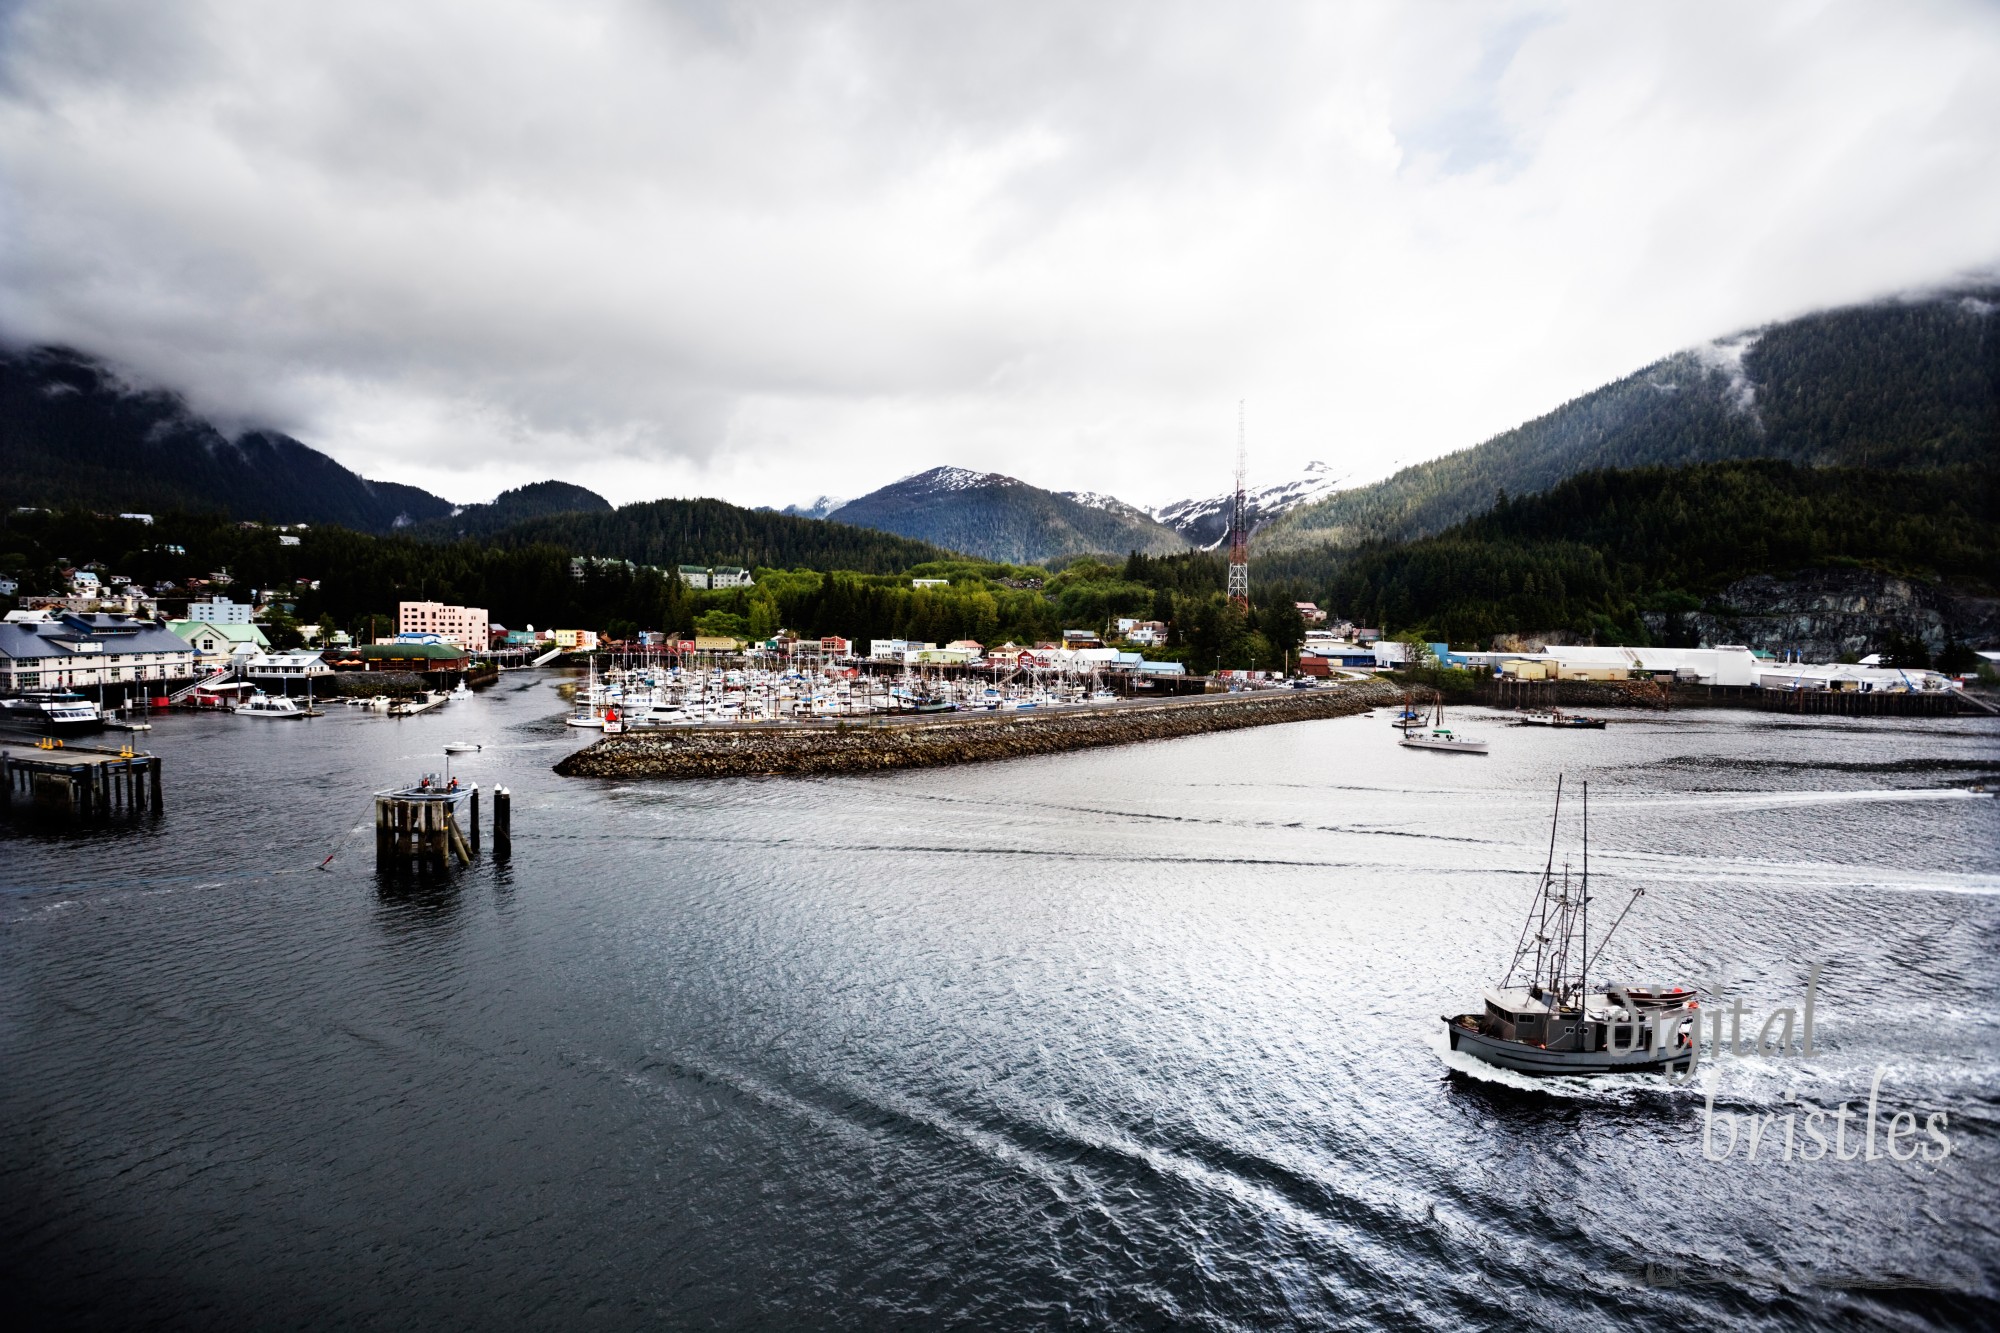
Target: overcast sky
[[764, 251]]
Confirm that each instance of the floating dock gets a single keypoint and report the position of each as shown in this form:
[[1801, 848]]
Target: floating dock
[[88, 779]]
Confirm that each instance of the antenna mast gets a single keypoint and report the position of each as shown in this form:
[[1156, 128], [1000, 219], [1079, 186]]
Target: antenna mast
[[1239, 528]]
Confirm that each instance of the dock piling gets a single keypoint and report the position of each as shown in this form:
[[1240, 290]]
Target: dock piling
[[503, 821]]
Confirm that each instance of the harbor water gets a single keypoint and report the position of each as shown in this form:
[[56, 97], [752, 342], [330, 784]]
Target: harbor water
[[1143, 1037]]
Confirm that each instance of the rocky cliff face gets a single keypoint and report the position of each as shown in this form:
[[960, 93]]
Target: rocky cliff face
[[1827, 614]]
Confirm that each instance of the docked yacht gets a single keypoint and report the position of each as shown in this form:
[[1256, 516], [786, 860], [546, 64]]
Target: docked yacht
[[60, 712], [1543, 1018], [269, 705]]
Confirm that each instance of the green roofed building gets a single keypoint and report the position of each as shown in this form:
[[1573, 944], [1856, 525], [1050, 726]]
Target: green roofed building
[[427, 657]]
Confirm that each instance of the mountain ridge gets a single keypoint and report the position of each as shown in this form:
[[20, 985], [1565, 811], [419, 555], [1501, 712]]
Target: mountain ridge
[[999, 517], [1903, 383], [74, 431]]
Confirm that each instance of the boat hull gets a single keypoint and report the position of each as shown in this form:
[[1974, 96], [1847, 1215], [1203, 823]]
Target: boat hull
[[1448, 747], [1525, 1058]]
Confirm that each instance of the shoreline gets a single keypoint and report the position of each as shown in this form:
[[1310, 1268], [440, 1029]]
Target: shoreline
[[777, 751]]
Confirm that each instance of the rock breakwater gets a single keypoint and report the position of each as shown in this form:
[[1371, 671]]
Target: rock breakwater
[[777, 750]]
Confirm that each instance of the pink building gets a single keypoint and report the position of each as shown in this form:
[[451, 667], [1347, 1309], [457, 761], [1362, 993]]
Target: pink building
[[465, 626]]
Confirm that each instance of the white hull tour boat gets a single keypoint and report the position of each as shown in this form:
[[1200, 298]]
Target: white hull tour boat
[[1543, 1017], [1437, 736], [1555, 717], [60, 712], [269, 705]]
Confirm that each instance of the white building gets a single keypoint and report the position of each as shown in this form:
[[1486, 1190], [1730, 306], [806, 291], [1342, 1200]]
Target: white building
[[1726, 664], [465, 626], [219, 611], [75, 649], [294, 664], [1850, 676], [729, 576], [930, 583]]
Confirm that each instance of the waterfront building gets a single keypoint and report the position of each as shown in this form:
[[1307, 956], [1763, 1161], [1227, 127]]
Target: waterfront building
[[574, 640], [219, 611], [465, 626], [291, 664], [216, 645], [73, 649], [429, 658], [832, 645]]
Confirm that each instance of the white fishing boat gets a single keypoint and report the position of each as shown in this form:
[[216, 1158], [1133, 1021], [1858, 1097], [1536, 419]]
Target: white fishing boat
[[269, 705], [1555, 717], [461, 690]]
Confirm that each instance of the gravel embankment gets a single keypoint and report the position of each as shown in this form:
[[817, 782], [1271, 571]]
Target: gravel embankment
[[957, 738]]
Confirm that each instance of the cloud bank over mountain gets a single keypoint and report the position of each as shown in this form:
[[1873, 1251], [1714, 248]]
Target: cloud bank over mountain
[[772, 250]]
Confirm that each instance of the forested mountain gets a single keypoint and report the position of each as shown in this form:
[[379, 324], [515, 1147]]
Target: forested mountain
[[1205, 521], [713, 532], [1896, 384], [1596, 550], [537, 500], [71, 432], [1001, 518]]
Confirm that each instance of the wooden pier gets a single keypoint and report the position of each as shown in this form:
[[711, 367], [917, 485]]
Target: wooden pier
[[87, 779]]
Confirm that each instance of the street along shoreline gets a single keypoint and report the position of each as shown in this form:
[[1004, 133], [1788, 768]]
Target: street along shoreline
[[958, 738]]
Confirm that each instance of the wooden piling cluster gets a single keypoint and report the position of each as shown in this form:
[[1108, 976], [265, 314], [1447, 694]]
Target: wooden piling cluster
[[426, 827], [86, 779]]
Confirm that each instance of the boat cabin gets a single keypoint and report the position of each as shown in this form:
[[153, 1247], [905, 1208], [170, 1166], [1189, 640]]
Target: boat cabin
[[1520, 1014]]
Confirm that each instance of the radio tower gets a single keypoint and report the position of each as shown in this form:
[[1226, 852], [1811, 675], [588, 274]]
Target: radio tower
[[1239, 528]]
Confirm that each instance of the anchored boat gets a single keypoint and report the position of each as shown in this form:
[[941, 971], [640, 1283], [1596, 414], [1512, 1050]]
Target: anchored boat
[[1437, 736], [1543, 1017], [1555, 717]]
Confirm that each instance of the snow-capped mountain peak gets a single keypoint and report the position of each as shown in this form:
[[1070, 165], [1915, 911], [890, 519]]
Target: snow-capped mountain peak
[[1109, 504], [1205, 521]]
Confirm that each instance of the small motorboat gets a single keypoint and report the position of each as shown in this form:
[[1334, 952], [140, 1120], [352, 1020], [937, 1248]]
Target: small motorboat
[[461, 690], [461, 747], [269, 705]]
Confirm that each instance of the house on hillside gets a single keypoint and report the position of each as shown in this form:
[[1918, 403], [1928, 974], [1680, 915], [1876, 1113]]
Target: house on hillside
[[217, 645]]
